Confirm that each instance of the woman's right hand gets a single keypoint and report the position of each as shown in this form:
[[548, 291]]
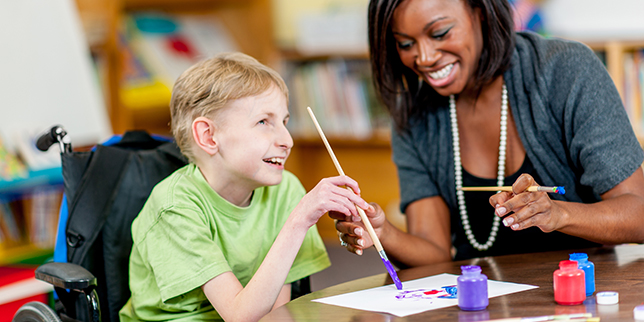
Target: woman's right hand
[[352, 231]]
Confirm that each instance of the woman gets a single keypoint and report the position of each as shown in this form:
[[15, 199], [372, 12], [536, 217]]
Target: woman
[[476, 104]]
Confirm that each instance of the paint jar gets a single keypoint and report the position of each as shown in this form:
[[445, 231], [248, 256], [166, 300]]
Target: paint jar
[[569, 284], [589, 270], [472, 289]]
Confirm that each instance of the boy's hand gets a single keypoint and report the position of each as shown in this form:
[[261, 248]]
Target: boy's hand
[[353, 232], [330, 195]]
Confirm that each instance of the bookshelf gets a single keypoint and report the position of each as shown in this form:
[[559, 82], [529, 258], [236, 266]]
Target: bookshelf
[[29, 216], [246, 20]]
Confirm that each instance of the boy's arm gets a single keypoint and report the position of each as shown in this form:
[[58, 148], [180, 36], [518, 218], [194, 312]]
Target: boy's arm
[[284, 297], [236, 303]]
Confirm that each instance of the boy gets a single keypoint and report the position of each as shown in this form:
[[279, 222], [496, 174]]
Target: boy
[[220, 238]]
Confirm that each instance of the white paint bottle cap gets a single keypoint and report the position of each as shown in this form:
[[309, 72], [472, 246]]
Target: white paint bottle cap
[[638, 312], [607, 298]]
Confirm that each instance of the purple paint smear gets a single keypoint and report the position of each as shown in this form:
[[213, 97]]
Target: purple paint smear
[[392, 272]]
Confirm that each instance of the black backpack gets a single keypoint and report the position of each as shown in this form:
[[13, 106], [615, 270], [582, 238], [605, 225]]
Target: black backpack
[[105, 189]]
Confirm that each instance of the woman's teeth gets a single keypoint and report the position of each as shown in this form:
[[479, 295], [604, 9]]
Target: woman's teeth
[[441, 73]]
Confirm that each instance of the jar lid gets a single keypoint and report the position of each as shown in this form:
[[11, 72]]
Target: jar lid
[[638, 312], [578, 256], [608, 298], [471, 269]]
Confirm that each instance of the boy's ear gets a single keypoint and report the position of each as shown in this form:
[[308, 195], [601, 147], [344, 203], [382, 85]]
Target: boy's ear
[[203, 132]]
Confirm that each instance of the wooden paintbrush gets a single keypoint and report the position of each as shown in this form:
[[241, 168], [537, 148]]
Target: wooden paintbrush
[[560, 190], [363, 216]]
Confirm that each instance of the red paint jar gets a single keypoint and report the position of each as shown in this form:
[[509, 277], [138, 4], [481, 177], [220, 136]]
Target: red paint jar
[[569, 284]]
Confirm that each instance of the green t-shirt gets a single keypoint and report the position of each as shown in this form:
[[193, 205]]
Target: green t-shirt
[[186, 234]]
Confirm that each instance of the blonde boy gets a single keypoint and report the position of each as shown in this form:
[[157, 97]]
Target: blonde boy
[[223, 237]]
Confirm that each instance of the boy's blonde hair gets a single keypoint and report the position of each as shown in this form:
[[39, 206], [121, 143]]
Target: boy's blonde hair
[[207, 86]]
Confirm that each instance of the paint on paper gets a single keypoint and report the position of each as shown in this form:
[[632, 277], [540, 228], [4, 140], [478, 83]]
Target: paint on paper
[[445, 292]]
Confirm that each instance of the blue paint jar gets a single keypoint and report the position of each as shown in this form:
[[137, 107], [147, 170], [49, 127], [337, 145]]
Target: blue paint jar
[[472, 289], [589, 270]]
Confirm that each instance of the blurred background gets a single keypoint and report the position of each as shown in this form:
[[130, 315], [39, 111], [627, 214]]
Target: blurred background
[[101, 67]]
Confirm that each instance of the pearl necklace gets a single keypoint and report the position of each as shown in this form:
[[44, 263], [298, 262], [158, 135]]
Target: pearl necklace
[[458, 178]]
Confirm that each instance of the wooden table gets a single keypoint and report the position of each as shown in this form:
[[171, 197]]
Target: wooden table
[[619, 268]]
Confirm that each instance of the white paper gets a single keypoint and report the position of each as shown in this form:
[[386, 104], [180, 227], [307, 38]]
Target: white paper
[[384, 298]]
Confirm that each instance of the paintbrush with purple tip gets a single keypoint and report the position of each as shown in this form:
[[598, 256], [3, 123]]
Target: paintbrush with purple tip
[[363, 216]]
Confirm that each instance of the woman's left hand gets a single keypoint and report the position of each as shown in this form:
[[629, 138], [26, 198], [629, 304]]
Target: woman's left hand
[[530, 208]]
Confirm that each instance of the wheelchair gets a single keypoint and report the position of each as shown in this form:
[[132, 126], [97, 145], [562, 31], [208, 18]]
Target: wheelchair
[[104, 190]]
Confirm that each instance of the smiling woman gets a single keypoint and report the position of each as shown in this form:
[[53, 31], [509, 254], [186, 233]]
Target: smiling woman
[[443, 47], [476, 104]]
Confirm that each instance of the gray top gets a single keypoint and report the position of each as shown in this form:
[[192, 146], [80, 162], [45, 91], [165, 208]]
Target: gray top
[[569, 116]]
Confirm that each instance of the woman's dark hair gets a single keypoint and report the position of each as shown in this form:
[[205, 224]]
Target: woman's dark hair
[[398, 85]]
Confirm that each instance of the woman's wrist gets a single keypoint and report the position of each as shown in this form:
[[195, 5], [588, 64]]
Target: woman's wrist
[[387, 232]]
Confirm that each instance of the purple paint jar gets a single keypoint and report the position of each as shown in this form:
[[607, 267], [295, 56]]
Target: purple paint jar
[[472, 289]]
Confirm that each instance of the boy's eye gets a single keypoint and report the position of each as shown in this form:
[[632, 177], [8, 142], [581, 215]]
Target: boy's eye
[[262, 122]]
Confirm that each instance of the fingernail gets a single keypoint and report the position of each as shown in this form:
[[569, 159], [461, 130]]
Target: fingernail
[[357, 218], [508, 221], [358, 231], [359, 252], [500, 211], [360, 242], [515, 226]]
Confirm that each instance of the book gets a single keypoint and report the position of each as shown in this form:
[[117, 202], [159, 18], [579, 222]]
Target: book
[[11, 167], [9, 225], [19, 286], [340, 93]]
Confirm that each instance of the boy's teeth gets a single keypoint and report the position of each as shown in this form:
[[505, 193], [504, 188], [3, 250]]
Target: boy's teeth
[[441, 73], [275, 160]]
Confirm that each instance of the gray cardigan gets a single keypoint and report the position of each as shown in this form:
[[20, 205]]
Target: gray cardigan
[[569, 116]]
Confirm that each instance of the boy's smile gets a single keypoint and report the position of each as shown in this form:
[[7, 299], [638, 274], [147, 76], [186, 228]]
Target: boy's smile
[[276, 161], [253, 143]]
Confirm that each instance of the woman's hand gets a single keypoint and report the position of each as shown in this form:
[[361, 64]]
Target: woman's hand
[[352, 231], [530, 208]]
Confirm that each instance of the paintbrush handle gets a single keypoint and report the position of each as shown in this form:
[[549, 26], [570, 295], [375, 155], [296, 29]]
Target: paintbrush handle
[[509, 188], [370, 230], [363, 216], [492, 188]]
